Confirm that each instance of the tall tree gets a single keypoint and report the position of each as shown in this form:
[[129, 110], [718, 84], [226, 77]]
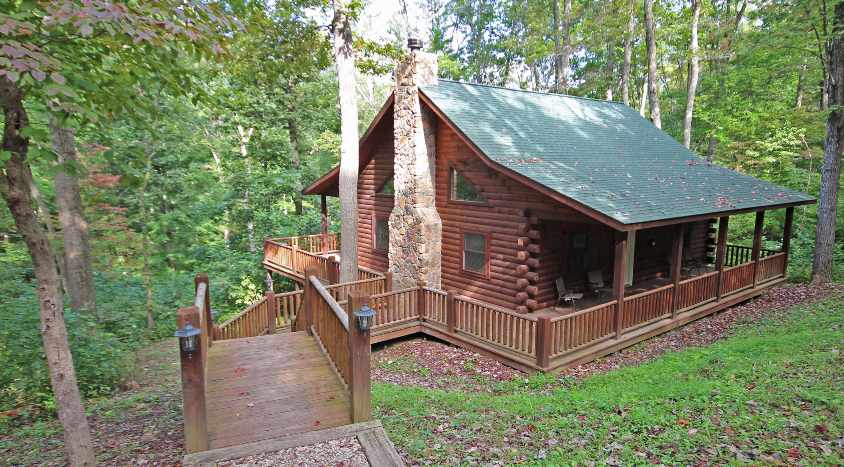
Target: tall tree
[[831, 169], [694, 71], [341, 32], [628, 52], [653, 81], [77, 250]]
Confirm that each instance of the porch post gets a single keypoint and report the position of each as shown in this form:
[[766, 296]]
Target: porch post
[[721, 252], [324, 208], [676, 263], [619, 276], [757, 245], [786, 237]]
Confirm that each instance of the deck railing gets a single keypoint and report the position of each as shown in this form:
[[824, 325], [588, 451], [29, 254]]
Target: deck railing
[[499, 327], [698, 290], [771, 267], [286, 255], [735, 255], [396, 307], [312, 243], [569, 332], [250, 322], [737, 278], [346, 347], [373, 286], [645, 307]]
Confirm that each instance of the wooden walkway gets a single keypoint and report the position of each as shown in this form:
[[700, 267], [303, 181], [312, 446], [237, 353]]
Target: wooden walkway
[[270, 386]]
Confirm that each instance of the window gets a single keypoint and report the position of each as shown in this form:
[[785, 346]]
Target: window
[[577, 253], [461, 190], [381, 234], [475, 247], [387, 188]]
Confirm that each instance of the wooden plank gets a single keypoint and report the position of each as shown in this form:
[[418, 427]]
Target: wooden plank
[[379, 451]]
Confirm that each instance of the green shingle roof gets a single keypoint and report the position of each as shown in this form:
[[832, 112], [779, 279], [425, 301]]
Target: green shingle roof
[[601, 154]]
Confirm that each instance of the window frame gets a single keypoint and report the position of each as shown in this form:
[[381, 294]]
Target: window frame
[[453, 170], [383, 184], [381, 251], [487, 234]]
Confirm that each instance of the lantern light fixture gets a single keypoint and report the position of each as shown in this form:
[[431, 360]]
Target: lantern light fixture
[[364, 321], [269, 281], [187, 337]]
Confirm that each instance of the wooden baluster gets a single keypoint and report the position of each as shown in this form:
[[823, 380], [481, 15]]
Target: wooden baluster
[[193, 387]]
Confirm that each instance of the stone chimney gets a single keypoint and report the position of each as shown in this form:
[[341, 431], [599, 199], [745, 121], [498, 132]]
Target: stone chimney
[[415, 224]]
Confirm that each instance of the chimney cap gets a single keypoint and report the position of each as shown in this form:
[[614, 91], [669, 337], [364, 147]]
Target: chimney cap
[[414, 44]]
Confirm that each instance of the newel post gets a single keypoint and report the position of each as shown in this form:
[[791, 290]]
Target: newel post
[[786, 237], [193, 387], [721, 253], [676, 263], [388, 281], [619, 278], [420, 300], [207, 329], [450, 311], [360, 384], [757, 245], [543, 341], [293, 257], [271, 311], [309, 298]]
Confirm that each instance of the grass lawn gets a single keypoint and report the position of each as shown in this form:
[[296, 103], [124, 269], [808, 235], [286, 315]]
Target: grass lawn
[[771, 394]]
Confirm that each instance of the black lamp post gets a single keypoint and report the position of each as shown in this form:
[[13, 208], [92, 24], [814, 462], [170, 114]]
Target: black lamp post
[[269, 281], [213, 312], [187, 337], [364, 315]]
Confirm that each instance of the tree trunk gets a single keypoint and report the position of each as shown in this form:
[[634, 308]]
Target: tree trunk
[[643, 102], [44, 213], [344, 53], [653, 82], [558, 49], [142, 210], [297, 163], [831, 169], [14, 185], [168, 236], [610, 68], [694, 72], [245, 136], [77, 250], [566, 59], [801, 83], [628, 54], [534, 76]]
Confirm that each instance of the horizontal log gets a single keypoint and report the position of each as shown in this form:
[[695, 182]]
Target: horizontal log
[[521, 296], [534, 234], [534, 248], [532, 304], [531, 290], [523, 255], [522, 283], [524, 241], [523, 269], [532, 276], [532, 262], [524, 227], [522, 310]]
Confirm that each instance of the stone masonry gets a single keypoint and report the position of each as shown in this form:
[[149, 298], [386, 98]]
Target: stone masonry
[[415, 224]]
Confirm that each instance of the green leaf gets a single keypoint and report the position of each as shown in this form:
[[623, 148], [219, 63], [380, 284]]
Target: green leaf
[[26, 132], [5, 155]]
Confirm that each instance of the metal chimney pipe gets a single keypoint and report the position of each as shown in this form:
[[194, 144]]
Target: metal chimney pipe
[[414, 44]]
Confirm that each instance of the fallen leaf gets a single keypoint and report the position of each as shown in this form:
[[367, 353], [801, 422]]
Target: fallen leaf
[[683, 422], [821, 429], [239, 414], [250, 405], [239, 369], [317, 423]]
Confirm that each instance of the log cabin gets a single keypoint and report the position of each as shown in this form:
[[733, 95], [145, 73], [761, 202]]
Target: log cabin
[[495, 194]]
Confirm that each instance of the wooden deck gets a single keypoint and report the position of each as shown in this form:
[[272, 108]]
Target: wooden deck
[[285, 386]]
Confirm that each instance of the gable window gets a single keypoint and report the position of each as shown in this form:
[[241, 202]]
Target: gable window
[[461, 190], [475, 246], [577, 253], [380, 234], [387, 188]]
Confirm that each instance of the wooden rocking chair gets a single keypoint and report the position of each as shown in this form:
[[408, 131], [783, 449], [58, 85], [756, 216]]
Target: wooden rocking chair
[[567, 295]]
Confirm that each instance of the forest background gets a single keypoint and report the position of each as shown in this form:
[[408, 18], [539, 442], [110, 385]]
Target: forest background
[[192, 181]]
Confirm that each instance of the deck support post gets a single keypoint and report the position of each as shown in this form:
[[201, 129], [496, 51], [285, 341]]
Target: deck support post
[[208, 330], [388, 281], [271, 311], [757, 245], [786, 237], [721, 253], [324, 209], [619, 276], [676, 263], [450, 311], [360, 385], [420, 300], [543, 341], [193, 386], [310, 297]]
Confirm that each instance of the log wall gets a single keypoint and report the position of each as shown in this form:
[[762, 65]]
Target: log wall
[[371, 204]]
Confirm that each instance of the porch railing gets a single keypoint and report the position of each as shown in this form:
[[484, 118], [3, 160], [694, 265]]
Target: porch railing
[[312, 243], [286, 255], [737, 254]]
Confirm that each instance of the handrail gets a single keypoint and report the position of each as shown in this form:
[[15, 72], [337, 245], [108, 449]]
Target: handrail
[[582, 312], [702, 276], [199, 301], [496, 308], [341, 315], [245, 311], [648, 292]]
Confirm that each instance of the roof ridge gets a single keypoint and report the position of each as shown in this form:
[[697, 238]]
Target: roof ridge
[[543, 93]]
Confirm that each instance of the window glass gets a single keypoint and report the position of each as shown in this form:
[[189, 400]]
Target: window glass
[[474, 252], [382, 234], [388, 189], [577, 253], [461, 190]]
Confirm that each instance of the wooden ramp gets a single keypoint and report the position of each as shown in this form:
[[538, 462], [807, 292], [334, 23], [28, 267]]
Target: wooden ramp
[[270, 386]]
